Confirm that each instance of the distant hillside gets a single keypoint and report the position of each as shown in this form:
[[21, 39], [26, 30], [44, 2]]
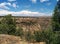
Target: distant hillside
[[32, 23]]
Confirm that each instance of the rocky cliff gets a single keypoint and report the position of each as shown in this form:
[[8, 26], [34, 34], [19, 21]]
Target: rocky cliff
[[33, 23]]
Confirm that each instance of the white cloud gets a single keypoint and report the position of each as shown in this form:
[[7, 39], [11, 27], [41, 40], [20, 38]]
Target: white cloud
[[23, 13], [4, 5], [57, 0], [11, 0], [9, 4], [14, 5], [34, 1], [43, 0]]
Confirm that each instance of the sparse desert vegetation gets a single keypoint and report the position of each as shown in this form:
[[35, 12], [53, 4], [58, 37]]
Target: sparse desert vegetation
[[31, 30]]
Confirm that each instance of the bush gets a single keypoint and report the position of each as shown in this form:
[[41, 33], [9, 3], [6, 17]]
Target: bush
[[4, 28], [7, 25], [12, 29], [46, 35], [19, 32], [49, 36], [56, 39], [37, 36], [28, 36]]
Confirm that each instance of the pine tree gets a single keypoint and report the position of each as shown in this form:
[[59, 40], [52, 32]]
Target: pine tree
[[56, 18]]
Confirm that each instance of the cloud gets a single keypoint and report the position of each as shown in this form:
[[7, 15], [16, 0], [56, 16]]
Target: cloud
[[23, 13], [4, 5], [14, 5], [57, 0], [43, 0], [33, 1], [11, 0]]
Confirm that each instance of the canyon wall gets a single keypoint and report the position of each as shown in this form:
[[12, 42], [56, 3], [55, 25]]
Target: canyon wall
[[33, 23]]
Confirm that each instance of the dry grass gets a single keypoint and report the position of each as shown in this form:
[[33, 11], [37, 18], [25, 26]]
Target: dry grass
[[10, 39]]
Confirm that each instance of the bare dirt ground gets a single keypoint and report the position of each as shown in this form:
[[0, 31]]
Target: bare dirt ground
[[10, 39]]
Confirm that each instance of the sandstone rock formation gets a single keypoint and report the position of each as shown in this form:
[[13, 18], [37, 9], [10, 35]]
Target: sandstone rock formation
[[33, 23]]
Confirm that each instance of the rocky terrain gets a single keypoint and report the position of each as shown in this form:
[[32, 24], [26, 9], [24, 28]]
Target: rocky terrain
[[27, 23], [10, 39], [33, 23]]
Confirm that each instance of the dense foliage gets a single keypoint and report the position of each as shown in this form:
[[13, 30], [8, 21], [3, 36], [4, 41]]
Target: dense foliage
[[56, 18], [8, 25], [56, 24]]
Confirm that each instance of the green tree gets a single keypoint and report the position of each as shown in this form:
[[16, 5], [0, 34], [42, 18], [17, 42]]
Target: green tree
[[56, 18], [8, 19], [3, 28], [10, 22], [56, 24]]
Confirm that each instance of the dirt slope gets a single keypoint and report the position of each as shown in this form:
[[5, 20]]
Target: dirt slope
[[9, 39]]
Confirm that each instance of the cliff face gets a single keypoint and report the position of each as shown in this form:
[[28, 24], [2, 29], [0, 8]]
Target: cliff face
[[33, 23]]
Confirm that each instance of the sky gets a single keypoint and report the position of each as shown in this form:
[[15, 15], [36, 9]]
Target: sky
[[27, 7]]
